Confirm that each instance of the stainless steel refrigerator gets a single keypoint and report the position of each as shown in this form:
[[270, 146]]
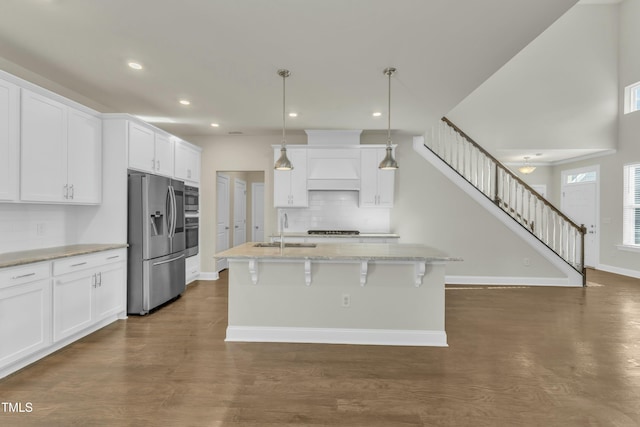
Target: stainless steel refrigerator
[[156, 241]]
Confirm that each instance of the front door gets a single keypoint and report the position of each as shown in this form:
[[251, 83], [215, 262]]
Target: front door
[[580, 203]]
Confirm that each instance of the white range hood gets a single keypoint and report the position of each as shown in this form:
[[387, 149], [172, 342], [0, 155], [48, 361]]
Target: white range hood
[[333, 159]]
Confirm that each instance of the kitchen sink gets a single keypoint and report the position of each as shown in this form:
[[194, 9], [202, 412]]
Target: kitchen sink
[[286, 245]]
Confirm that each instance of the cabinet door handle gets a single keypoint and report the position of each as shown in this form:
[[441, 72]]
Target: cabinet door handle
[[22, 276], [93, 281], [72, 191], [153, 164], [66, 191], [78, 264], [158, 163], [113, 257], [100, 281]]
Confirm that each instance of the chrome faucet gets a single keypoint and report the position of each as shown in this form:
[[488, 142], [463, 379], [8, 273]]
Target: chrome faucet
[[284, 223]]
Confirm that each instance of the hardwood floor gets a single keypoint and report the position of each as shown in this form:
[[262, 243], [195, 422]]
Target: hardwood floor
[[516, 357]]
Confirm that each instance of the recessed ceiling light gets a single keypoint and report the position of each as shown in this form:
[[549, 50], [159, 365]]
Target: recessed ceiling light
[[185, 102], [377, 114], [293, 114], [215, 125], [135, 65]]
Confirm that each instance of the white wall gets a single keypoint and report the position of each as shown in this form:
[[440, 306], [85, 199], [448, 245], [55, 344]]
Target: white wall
[[559, 92], [431, 210], [19, 226], [628, 151]]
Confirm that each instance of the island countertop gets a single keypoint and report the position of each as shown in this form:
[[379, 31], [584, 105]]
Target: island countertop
[[342, 251]]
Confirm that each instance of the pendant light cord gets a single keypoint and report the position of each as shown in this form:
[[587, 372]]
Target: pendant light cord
[[389, 72], [284, 77]]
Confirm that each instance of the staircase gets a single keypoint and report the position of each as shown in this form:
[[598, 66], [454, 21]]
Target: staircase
[[520, 207]]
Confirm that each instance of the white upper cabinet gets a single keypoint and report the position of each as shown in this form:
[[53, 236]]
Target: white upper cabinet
[[9, 141], [84, 158], [187, 161], [43, 172], [290, 187], [150, 151], [377, 185], [61, 148], [164, 155], [141, 148]]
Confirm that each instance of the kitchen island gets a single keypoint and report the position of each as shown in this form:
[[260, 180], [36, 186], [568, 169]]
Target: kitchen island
[[358, 293]]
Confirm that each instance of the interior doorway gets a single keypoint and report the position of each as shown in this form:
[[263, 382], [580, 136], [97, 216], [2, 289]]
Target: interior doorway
[[580, 196], [257, 212], [223, 184], [238, 209]]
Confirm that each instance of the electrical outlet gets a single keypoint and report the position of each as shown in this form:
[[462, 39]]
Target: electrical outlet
[[40, 229], [346, 300], [526, 262]]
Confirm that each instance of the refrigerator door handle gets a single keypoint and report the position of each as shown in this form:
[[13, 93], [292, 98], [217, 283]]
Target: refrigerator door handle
[[169, 260], [172, 231], [175, 210], [169, 209]]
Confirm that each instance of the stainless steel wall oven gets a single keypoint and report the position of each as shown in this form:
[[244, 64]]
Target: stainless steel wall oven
[[191, 235]]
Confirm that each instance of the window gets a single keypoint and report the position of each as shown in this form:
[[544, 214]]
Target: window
[[577, 178], [632, 98], [631, 215]]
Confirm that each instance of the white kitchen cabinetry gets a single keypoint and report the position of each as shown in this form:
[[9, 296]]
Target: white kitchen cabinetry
[[377, 185], [150, 151], [25, 311], [186, 161], [86, 290], [192, 268], [290, 187], [84, 158], [9, 140], [61, 152]]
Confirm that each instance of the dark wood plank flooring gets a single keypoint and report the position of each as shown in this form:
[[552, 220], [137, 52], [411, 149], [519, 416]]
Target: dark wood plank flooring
[[517, 357]]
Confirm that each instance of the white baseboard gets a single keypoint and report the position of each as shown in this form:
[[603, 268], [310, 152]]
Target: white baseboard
[[208, 275], [619, 270], [503, 280], [337, 336]]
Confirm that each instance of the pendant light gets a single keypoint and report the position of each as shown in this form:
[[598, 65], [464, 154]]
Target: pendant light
[[283, 163], [389, 162], [526, 168]]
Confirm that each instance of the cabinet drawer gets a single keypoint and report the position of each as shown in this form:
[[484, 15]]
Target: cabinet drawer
[[23, 274], [82, 262]]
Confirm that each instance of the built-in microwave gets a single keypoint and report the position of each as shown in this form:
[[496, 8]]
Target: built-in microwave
[[191, 199]]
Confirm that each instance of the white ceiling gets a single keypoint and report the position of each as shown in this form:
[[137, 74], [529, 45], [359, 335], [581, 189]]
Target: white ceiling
[[223, 56]]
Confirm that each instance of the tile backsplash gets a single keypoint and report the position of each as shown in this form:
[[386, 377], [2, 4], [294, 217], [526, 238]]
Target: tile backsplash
[[25, 227], [336, 210]]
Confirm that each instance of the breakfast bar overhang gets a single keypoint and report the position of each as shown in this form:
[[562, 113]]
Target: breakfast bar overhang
[[368, 293]]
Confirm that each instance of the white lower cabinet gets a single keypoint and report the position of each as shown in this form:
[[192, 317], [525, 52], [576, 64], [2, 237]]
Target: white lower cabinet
[[25, 311], [45, 306], [192, 268], [91, 292]]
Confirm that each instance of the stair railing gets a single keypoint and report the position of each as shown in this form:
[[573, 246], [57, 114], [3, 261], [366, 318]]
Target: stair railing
[[504, 188]]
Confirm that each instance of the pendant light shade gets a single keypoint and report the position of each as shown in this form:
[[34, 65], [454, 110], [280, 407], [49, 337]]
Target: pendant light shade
[[526, 168], [389, 162], [283, 163]]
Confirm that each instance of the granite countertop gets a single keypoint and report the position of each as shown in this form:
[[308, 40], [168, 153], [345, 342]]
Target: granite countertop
[[343, 251], [346, 236], [11, 259]]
